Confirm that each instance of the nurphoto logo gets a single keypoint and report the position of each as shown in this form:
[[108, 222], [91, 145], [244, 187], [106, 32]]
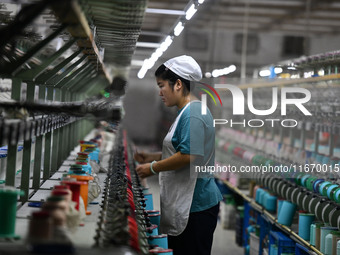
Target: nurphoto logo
[[239, 99]]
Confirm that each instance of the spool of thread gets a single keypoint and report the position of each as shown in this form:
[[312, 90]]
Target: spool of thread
[[84, 188], [312, 234], [286, 213], [310, 182], [258, 195], [317, 184], [322, 187], [255, 190], [338, 248], [304, 180], [155, 218], [336, 238], [328, 244], [331, 189], [262, 197], [336, 196], [279, 205], [270, 203], [148, 202], [161, 251], [298, 178], [305, 221], [75, 188], [159, 240], [40, 227], [324, 232], [8, 205], [317, 236], [152, 230], [152, 212]]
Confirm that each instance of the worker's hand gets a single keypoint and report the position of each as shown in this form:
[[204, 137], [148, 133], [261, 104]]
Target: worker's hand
[[140, 157], [143, 157], [143, 170]]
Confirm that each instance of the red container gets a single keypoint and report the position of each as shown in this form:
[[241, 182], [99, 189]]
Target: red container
[[84, 188], [75, 188]]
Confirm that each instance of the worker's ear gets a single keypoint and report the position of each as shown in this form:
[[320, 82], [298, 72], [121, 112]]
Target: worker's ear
[[178, 85]]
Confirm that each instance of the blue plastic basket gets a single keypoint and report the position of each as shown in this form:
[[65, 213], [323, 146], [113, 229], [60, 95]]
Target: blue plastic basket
[[284, 244], [301, 250]]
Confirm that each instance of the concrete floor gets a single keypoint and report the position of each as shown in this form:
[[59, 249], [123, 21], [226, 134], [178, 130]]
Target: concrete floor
[[224, 240]]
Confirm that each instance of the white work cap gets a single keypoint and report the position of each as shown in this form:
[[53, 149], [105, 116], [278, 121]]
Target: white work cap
[[185, 67]]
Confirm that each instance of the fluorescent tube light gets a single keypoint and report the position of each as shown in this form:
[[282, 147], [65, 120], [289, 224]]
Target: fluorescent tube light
[[178, 29], [190, 12]]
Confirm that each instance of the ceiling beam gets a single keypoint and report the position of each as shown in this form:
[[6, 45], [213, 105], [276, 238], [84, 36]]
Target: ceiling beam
[[165, 11]]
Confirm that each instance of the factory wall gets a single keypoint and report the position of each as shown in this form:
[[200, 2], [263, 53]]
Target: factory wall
[[142, 107]]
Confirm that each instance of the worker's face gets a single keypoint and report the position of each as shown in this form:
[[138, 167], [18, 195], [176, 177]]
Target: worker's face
[[168, 94]]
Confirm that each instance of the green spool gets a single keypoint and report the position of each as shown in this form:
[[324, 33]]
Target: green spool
[[231, 148], [324, 189], [298, 178], [8, 205], [336, 195], [310, 182], [76, 166]]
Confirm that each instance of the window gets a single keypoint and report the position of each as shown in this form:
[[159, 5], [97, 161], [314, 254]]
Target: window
[[252, 43], [293, 46]]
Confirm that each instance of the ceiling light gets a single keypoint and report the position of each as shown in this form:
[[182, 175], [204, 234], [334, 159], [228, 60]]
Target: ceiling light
[[137, 62], [147, 45], [190, 12], [278, 70], [142, 72], [165, 45], [165, 11], [264, 73], [219, 72], [200, 1], [178, 29]]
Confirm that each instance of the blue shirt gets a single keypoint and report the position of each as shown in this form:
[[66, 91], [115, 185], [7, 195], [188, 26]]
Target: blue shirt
[[195, 135]]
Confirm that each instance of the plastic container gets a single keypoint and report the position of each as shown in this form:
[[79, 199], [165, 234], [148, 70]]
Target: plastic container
[[159, 240], [75, 188], [8, 205], [85, 165], [301, 250], [324, 232], [286, 213], [305, 221], [148, 202], [161, 251], [152, 212], [40, 227], [155, 218], [84, 188], [283, 243], [84, 145], [328, 244], [152, 230]]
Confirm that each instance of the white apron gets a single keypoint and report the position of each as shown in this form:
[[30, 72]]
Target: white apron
[[176, 190]]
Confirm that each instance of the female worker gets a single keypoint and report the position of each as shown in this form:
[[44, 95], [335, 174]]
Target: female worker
[[189, 200]]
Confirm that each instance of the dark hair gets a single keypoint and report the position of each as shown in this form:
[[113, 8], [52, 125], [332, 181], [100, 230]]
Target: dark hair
[[166, 74]]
